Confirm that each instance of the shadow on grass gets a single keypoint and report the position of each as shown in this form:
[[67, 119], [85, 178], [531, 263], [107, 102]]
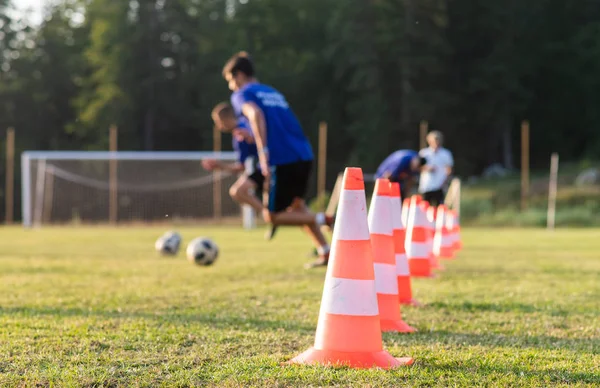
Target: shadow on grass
[[494, 340], [217, 321], [547, 375], [503, 307]]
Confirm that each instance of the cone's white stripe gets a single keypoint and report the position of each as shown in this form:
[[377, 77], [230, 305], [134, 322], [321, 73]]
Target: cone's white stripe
[[446, 240], [349, 297], [437, 243], [397, 222], [421, 218], [418, 251], [385, 279], [405, 211], [402, 265], [351, 222], [380, 215]]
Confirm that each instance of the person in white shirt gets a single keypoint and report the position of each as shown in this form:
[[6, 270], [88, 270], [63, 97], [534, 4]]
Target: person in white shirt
[[436, 172]]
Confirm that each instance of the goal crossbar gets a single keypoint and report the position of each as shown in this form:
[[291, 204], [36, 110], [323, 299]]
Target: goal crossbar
[[127, 155]]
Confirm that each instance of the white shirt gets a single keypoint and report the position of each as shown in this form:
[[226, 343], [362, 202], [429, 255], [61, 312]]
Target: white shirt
[[440, 159]]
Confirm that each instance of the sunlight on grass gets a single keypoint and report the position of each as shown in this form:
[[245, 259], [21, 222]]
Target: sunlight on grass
[[97, 306]]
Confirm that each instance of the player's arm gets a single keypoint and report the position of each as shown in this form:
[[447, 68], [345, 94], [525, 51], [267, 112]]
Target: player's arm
[[211, 164], [257, 122]]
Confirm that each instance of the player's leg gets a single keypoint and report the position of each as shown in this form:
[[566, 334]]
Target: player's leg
[[288, 182], [288, 190], [240, 192], [259, 179], [316, 235]]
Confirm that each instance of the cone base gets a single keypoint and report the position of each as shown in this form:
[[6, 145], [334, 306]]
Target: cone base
[[438, 267], [396, 326], [446, 253], [410, 302], [363, 360], [420, 268]]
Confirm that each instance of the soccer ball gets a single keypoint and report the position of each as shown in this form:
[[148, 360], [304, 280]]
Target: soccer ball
[[168, 243], [202, 251]]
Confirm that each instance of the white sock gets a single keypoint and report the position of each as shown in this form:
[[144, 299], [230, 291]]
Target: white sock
[[320, 219], [323, 250]]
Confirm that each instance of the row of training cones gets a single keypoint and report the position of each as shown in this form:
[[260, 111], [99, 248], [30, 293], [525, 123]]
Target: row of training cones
[[367, 278], [431, 234]]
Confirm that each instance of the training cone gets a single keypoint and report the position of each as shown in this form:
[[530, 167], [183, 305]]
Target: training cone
[[456, 230], [433, 259], [384, 260], [442, 242], [399, 233], [405, 209], [349, 329], [417, 250]]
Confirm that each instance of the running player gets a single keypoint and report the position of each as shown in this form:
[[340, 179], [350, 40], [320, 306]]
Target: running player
[[285, 154], [243, 144]]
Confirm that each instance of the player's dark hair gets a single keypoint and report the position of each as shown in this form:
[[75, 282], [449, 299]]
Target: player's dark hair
[[223, 110], [422, 161], [240, 62]]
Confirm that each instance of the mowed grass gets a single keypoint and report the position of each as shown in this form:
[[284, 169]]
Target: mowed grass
[[98, 307]]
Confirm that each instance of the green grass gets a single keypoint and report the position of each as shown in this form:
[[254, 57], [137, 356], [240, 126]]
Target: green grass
[[97, 307]]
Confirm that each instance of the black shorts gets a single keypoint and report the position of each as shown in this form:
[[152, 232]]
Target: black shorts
[[288, 182], [259, 179], [434, 198]]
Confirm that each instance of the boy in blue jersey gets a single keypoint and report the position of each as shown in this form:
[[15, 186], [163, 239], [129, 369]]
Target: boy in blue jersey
[[285, 154], [401, 166], [243, 143]]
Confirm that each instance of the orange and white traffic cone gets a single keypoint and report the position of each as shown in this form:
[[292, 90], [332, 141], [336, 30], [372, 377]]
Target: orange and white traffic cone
[[399, 232], [442, 242], [349, 329], [452, 230], [405, 210], [430, 212], [457, 240], [382, 243], [417, 250]]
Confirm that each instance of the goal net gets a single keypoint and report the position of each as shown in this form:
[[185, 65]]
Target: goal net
[[125, 187]]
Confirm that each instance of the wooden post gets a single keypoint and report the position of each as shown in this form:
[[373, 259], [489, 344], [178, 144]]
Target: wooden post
[[322, 159], [335, 195], [10, 176], [113, 197], [552, 188], [423, 128], [48, 195], [217, 206], [524, 164]]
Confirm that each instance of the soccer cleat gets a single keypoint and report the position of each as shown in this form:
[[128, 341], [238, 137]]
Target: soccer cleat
[[270, 233], [322, 261], [313, 253]]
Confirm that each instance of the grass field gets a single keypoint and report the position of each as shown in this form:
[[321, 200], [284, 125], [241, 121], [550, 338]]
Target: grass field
[[97, 307]]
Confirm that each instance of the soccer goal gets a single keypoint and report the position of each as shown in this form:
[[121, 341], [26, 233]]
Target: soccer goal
[[125, 187]]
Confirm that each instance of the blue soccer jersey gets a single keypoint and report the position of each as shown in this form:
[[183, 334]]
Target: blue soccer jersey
[[285, 138], [243, 148], [396, 164]]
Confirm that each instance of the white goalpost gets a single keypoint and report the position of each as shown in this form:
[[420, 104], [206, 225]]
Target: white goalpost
[[126, 187]]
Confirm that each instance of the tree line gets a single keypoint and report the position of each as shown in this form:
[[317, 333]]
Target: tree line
[[373, 69]]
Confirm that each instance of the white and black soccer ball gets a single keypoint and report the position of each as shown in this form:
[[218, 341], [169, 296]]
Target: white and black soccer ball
[[168, 243], [202, 251]]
